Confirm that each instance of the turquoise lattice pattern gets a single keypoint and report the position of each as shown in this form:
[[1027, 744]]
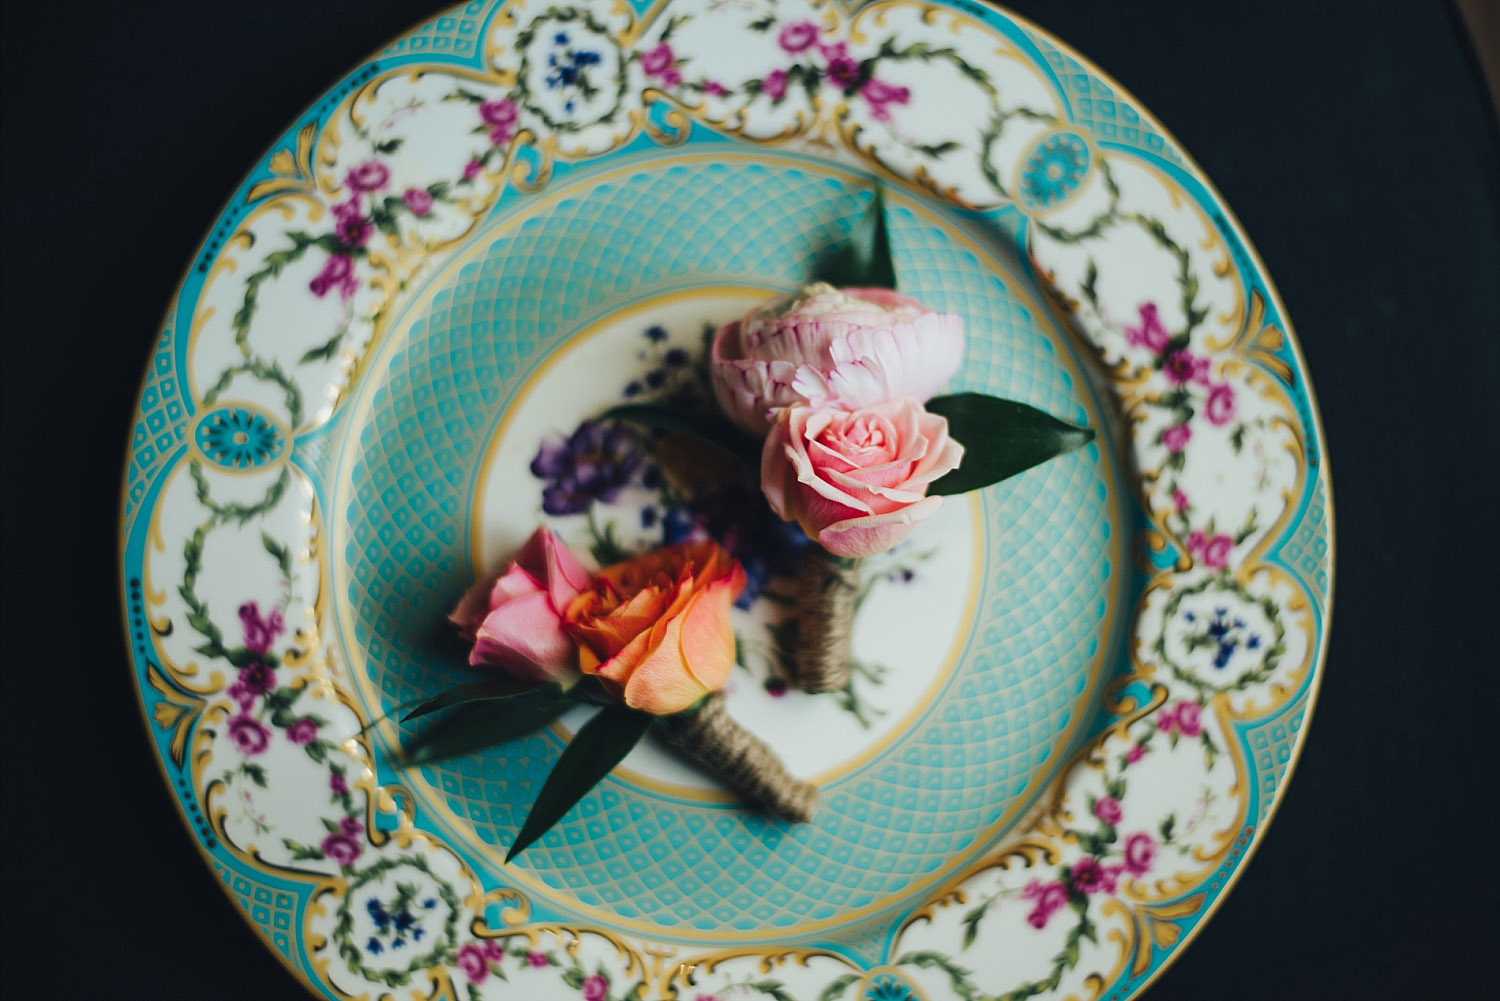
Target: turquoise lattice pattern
[[1097, 107], [924, 802], [456, 32], [1272, 744], [1306, 551], [160, 424], [274, 912]]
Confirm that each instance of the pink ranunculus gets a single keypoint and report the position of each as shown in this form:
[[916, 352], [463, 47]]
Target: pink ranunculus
[[828, 347], [419, 201], [879, 94], [515, 617], [1182, 367], [1140, 852], [537, 960], [1107, 809], [774, 85], [248, 734], [1176, 437], [371, 175], [1150, 335], [1220, 405], [1189, 718], [798, 36], [1216, 551], [341, 849], [658, 60], [595, 988], [856, 481], [471, 960], [304, 731]]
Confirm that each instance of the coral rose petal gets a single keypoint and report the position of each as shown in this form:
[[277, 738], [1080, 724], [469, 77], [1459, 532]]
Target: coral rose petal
[[663, 682]]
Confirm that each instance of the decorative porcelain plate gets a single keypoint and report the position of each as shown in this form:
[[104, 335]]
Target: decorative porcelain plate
[[1077, 694]]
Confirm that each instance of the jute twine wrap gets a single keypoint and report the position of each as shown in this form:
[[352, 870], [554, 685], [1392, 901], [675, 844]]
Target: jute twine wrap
[[740, 760], [827, 586]]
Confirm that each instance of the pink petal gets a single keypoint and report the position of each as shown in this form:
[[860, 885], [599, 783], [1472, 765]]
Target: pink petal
[[525, 636], [876, 533]]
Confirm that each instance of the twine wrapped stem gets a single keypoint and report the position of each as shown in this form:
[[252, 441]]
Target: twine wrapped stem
[[740, 760], [827, 588]]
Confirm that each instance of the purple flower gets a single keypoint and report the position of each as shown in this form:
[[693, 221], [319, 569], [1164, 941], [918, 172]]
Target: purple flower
[[418, 200], [657, 61], [1176, 437], [259, 678], [715, 88], [595, 988], [368, 176], [1107, 809], [472, 168], [340, 848], [1214, 552], [304, 731], [798, 36], [774, 85], [1088, 876], [260, 632], [492, 950], [1140, 852], [248, 734], [338, 271], [243, 694], [350, 225], [537, 960], [471, 960], [1135, 754], [1050, 898], [1183, 367], [1150, 335], [1220, 405], [1190, 718], [501, 116], [338, 784], [879, 94], [843, 69], [595, 463], [351, 826]]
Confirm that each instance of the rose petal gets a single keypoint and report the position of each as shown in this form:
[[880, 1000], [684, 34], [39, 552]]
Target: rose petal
[[867, 536], [524, 635]]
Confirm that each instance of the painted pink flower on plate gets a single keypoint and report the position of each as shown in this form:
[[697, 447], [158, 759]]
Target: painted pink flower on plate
[[798, 36], [371, 175], [1140, 852], [1220, 405], [856, 481], [1175, 438], [515, 617], [1150, 334], [828, 347], [471, 960], [1107, 809]]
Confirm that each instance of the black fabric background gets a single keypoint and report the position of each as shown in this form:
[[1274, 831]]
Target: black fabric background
[[1352, 139]]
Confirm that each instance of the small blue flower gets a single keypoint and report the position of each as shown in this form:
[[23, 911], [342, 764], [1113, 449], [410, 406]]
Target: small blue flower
[[404, 920], [416, 934], [648, 516], [1226, 651], [655, 378], [373, 947], [677, 524], [398, 943], [656, 333], [1253, 643], [561, 38], [238, 438], [676, 357], [430, 903], [634, 388], [651, 477]]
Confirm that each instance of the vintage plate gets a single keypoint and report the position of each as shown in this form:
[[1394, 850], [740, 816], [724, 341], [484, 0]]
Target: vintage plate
[[1080, 692]]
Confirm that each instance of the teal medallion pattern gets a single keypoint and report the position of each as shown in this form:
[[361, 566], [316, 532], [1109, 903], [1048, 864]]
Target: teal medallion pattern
[[1076, 695]]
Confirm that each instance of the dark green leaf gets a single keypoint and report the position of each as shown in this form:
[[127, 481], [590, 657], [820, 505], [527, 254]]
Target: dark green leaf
[[864, 260], [474, 691], [1000, 438], [389, 146], [598, 747], [485, 724], [714, 429]]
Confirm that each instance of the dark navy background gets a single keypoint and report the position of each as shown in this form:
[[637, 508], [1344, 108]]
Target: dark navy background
[[1355, 143]]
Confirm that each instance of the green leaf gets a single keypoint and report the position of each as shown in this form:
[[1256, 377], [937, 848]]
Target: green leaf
[[1000, 438], [474, 691], [598, 747], [715, 429], [485, 724], [864, 260], [389, 146]]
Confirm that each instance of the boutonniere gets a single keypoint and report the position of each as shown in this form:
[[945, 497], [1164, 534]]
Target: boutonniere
[[833, 391]]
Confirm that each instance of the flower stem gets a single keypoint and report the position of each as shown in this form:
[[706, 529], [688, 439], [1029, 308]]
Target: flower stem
[[739, 759], [827, 591]]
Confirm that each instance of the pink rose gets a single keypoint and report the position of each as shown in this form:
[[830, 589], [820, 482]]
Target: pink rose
[[1150, 335], [341, 849], [1107, 809], [471, 960], [595, 988], [418, 200], [1176, 437], [828, 347], [515, 617], [492, 950], [798, 36], [248, 734], [1088, 876], [304, 731], [1216, 551], [351, 827], [843, 69], [878, 94], [1189, 718], [1220, 405], [371, 175], [1135, 754], [501, 116], [656, 61], [1050, 898], [1140, 852], [774, 86], [715, 88], [1179, 500], [1183, 367], [338, 272], [537, 960], [856, 481], [473, 168]]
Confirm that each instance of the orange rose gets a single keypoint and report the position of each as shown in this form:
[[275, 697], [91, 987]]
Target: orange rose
[[655, 629]]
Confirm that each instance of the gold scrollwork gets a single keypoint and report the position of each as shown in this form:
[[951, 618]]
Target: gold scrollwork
[[294, 171]]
